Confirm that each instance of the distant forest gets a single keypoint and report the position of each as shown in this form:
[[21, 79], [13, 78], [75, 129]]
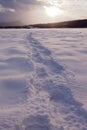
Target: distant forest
[[66, 24]]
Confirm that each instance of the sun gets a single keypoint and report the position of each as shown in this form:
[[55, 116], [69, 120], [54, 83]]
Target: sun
[[52, 11]]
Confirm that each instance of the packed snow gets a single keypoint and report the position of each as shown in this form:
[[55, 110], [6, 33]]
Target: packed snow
[[43, 79]]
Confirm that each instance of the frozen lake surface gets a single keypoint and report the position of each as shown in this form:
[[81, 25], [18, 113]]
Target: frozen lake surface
[[43, 79]]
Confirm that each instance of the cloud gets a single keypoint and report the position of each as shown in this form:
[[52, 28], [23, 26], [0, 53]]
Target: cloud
[[25, 10], [13, 10], [75, 8], [3, 9]]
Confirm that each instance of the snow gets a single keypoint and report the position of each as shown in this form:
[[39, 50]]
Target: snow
[[43, 82]]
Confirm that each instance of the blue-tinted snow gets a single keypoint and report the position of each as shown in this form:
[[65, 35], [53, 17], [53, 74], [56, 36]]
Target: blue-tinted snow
[[40, 73]]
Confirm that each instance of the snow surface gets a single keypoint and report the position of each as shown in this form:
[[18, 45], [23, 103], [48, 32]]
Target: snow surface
[[43, 79]]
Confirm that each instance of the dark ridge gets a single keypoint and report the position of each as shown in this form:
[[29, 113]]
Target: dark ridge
[[10, 24], [66, 24]]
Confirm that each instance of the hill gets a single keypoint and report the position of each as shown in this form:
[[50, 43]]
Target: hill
[[66, 24]]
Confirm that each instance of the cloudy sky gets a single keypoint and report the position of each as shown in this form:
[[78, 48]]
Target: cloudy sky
[[40, 11]]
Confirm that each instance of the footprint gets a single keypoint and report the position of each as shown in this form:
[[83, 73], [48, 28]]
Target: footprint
[[38, 122], [41, 72], [53, 66]]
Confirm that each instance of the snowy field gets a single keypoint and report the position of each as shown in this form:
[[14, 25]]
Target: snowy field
[[43, 79]]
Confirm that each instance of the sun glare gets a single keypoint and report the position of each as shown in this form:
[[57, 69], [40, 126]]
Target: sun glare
[[53, 11]]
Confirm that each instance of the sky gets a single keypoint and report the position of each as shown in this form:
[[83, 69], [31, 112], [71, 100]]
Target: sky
[[42, 11]]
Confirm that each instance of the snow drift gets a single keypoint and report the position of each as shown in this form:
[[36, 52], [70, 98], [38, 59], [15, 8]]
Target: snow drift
[[40, 72]]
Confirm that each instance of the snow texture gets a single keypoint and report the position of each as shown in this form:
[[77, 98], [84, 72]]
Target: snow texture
[[43, 79]]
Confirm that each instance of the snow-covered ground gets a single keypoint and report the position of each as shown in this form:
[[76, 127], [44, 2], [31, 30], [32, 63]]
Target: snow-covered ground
[[43, 79]]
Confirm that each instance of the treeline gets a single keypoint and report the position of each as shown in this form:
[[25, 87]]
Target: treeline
[[66, 24], [13, 27]]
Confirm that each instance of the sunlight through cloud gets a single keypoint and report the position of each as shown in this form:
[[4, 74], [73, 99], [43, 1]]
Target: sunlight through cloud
[[53, 11]]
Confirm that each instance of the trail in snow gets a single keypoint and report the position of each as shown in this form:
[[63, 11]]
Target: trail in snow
[[49, 102], [51, 99]]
